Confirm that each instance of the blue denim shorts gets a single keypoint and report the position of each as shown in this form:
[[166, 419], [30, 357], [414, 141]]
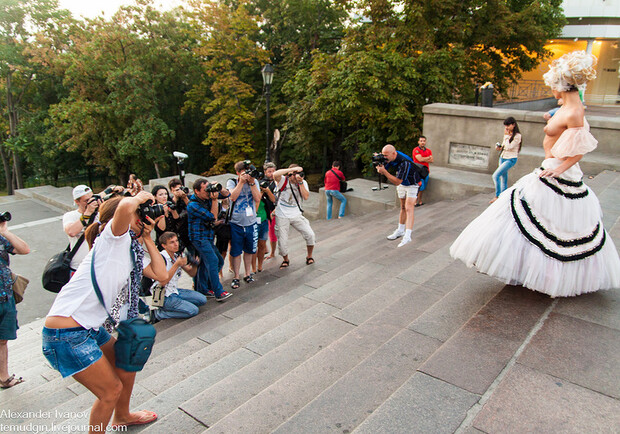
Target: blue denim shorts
[[8, 320], [72, 350], [244, 239], [263, 230]]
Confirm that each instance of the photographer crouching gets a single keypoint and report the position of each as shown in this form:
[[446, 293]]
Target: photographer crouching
[[201, 212], [292, 191], [407, 182]]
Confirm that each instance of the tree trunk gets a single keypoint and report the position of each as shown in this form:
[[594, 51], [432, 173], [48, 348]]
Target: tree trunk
[[11, 106], [157, 170], [8, 173]]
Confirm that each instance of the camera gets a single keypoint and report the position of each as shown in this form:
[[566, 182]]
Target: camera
[[5, 217], [213, 187], [171, 205], [379, 160], [251, 170], [301, 174], [265, 183], [147, 209], [191, 259], [184, 189]]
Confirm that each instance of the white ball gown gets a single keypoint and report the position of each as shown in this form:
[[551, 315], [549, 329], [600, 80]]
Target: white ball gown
[[545, 233]]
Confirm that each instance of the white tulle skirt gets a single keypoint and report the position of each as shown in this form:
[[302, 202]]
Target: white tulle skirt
[[545, 234]]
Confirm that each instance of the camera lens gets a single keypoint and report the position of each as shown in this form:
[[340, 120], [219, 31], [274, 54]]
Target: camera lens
[[5, 217]]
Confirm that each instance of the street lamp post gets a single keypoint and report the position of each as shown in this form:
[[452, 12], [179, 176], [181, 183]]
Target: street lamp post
[[267, 79]]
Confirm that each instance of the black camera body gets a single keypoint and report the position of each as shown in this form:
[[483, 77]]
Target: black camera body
[[147, 209], [265, 183], [293, 174], [213, 187], [251, 170], [5, 217], [184, 189], [171, 205], [191, 259], [379, 160]]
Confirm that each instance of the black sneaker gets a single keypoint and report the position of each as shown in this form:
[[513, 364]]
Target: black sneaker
[[223, 296]]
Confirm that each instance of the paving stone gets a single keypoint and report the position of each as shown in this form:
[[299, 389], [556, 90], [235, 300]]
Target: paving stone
[[450, 277], [351, 399], [487, 342], [579, 351], [185, 349], [279, 335], [530, 401], [599, 307], [446, 316], [422, 405], [176, 422], [428, 266], [217, 401]]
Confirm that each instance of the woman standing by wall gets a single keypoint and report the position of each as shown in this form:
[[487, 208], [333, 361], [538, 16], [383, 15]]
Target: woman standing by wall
[[510, 148]]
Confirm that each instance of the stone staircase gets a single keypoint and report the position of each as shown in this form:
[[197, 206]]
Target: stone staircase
[[369, 339]]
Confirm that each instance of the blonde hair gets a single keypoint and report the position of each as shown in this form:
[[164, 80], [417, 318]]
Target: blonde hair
[[572, 71]]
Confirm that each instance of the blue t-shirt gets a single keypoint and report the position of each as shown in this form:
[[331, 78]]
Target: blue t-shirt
[[6, 281], [244, 211], [404, 169]]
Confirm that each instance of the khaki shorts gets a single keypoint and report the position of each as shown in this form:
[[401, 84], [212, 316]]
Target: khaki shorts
[[409, 191]]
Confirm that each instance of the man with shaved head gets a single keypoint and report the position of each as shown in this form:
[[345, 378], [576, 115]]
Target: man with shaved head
[[407, 181]]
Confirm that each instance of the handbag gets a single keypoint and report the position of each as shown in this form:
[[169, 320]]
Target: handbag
[[135, 339], [57, 271], [19, 287], [343, 183]]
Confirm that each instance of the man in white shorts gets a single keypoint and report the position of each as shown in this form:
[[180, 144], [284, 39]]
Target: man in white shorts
[[407, 181]]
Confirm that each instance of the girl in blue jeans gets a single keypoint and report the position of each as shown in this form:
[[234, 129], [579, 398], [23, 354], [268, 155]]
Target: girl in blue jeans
[[510, 148]]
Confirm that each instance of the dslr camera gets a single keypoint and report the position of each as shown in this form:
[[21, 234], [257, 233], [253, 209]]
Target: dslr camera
[[191, 259], [265, 183], [293, 174], [251, 170], [5, 217], [379, 160], [214, 187], [147, 209]]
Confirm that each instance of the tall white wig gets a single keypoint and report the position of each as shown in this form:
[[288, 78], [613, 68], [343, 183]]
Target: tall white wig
[[572, 71]]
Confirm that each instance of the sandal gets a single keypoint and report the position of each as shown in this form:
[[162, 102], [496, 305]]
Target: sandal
[[6, 384], [309, 261], [249, 279], [285, 264], [234, 284], [146, 418]]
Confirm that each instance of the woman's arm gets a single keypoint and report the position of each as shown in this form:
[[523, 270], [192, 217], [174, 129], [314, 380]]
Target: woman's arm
[[126, 212], [20, 246], [566, 164]]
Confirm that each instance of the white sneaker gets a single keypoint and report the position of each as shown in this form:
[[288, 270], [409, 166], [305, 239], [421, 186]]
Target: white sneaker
[[405, 240], [396, 234]]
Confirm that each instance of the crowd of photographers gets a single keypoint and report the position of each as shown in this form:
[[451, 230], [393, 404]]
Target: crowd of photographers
[[196, 229]]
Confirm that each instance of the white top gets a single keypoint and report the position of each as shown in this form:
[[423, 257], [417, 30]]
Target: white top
[[78, 299], [511, 149], [173, 285], [67, 219], [287, 207]]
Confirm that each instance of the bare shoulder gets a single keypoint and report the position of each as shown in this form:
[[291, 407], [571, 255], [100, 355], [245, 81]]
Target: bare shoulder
[[575, 118]]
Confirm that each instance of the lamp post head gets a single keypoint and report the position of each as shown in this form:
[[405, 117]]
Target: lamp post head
[[267, 74]]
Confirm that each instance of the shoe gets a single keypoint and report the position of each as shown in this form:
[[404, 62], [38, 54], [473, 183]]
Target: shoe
[[405, 240], [153, 317], [10, 382], [249, 279], [234, 284], [224, 296], [396, 234], [210, 294]]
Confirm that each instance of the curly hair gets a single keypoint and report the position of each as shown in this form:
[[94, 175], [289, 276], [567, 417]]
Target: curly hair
[[571, 72]]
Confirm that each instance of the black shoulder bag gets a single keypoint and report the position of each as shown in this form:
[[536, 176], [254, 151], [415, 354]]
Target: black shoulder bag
[[136, 337], [343, 183], [57, 271]]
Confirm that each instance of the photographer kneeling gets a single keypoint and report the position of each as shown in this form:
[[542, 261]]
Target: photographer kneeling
[[292, 191], [178, 302], [407, 182]]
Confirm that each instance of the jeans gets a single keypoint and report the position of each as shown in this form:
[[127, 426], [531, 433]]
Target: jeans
[[330, 194], [500, 176], [182, 305], [211, 262]]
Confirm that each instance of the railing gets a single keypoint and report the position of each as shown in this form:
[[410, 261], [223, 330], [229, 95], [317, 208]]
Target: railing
[[528, 90]]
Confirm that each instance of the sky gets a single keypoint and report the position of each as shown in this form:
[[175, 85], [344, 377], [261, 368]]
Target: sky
[[94, 8]]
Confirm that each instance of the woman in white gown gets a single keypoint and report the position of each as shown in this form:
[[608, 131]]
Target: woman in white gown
[[546, 231]]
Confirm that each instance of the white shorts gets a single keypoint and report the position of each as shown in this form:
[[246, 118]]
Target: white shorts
[[408, 191]]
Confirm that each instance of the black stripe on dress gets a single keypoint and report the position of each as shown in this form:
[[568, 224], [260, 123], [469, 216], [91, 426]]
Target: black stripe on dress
[[555, 239], [561, 192], [566, 181], [550, 253]]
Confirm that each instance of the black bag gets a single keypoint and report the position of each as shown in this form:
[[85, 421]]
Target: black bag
[[343, 183], [421, 169], [57, 271], [136, 337]]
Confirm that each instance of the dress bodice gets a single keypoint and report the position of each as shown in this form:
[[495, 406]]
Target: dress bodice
[[574, 141]]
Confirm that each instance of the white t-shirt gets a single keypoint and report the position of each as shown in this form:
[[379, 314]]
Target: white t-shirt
[[173, 285], [113, 264], [287, 207], [67, 219]]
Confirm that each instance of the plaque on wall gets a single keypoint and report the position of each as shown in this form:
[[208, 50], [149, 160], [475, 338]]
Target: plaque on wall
[[469, 155]]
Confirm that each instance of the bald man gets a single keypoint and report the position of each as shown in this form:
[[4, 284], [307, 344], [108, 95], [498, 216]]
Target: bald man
[[407, 181]]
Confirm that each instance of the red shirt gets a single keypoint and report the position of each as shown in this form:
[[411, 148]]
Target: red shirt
[[331, 181], [423, 153]]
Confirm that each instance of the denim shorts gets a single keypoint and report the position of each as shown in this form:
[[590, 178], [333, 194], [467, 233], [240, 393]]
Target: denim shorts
[[72, 350], [8, 320], [263, 230]]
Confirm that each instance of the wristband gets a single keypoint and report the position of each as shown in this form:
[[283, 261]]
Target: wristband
[[84, 220]]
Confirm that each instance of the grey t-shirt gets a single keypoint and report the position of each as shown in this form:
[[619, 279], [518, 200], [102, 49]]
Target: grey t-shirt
[[244, 211]]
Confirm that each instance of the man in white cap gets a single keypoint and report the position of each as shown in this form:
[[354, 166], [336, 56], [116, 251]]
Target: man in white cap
[[76, 221]]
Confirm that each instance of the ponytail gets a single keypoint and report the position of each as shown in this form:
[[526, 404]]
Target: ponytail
[[106, 213]]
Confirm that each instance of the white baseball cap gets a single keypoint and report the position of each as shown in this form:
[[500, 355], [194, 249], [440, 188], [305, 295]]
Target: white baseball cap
[[80, 191]]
